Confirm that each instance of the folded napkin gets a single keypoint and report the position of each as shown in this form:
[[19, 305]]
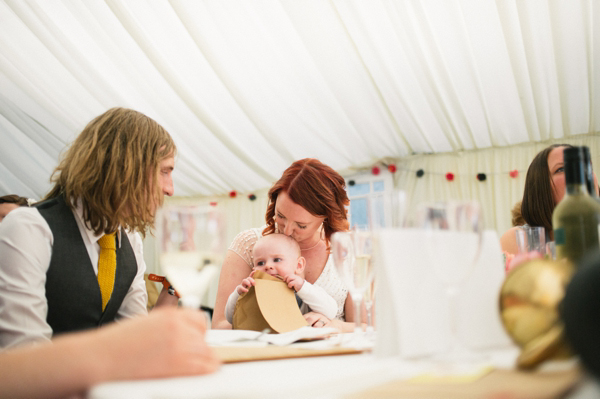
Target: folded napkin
[[412, 306], [243, 337]]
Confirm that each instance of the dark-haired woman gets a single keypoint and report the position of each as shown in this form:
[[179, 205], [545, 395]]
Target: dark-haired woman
[[544, 188]]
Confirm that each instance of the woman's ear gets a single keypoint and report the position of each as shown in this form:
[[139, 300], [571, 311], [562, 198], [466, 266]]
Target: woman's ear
[[300, 266]]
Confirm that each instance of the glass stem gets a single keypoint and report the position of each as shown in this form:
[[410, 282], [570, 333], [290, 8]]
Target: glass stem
[[452, 292], [357, 299]]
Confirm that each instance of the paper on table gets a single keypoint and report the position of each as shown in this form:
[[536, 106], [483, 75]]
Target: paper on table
[[228, 337], [412, 308]]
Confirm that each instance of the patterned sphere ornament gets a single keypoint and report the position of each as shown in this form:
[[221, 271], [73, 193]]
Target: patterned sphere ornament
[[252, 197], [375, 170], [513, 173], [420, 173], [449, 176], [481, 176], [392, 168], [233, 194]]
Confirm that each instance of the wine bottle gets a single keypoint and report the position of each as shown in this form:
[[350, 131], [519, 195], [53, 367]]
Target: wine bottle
[[576, 219], [589, 173]]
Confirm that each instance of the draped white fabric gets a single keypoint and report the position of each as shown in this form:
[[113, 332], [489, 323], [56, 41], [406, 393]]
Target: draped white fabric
[[247, 87]]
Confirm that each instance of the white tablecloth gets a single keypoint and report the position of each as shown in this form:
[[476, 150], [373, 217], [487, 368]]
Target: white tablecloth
[[313, 377]]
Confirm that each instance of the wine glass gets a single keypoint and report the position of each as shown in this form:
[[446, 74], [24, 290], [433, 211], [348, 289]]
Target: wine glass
[[452, 249], [369, 302], [352, 255], [189, 238], [530, 239]]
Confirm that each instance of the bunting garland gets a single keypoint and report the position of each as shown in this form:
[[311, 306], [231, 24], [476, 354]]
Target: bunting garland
[[393, 168], [449, 176]]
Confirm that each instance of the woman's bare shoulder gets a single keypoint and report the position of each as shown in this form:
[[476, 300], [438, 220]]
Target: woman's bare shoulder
[[508, 241]]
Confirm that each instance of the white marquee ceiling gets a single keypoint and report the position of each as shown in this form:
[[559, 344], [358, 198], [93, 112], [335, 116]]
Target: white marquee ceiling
[[245, 87]]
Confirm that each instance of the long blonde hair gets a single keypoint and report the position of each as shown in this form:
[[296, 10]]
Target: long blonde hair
[[113, 167]]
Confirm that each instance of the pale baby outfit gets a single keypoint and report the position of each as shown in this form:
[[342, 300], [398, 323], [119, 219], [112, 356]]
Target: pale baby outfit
[[329, 280]]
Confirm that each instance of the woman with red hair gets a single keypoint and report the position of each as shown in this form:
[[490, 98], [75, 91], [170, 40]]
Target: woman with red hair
[[309, 204]]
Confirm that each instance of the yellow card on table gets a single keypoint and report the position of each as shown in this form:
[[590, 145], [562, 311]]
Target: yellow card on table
[[456, 378]]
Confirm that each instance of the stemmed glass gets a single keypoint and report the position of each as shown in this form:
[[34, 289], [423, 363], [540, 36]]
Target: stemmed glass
[[369, 302], [452, 248], [352, 253], [188, 238]]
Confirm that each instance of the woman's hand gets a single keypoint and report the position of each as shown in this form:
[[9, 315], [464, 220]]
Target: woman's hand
[[317, 320], [516, 260]]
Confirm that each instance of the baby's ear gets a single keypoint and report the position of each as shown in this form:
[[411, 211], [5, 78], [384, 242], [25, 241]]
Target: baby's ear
[[300, 265]]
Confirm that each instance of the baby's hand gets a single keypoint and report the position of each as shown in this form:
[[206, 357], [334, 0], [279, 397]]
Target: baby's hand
[[245, 285], [294, 281]]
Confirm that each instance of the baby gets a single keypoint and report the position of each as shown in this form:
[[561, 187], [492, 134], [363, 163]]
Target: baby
[[279, 255]]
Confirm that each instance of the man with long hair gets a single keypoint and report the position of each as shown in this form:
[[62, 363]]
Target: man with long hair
[[74, 261]]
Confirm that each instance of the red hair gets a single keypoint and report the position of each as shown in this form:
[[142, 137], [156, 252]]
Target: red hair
[[315, 187]]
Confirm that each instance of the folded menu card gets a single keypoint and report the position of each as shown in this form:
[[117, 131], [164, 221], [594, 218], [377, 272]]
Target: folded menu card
[[412, 309]]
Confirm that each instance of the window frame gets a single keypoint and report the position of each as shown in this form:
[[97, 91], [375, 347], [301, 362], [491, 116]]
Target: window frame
[[388, 183]]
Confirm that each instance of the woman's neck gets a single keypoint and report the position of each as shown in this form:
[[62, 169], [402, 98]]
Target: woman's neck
[[311, 245]]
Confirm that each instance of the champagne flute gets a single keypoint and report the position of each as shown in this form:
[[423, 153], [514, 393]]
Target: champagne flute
[[452, 248], [369, 302], [352, 255], [188, 237]]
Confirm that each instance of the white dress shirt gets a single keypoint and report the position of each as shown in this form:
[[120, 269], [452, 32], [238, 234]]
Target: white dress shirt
[[25, 251]]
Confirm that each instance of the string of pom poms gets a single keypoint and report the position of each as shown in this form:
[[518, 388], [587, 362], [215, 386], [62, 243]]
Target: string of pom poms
[[393, 168], [450, 176]]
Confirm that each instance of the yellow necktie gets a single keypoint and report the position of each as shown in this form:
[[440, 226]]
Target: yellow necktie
[[107, 266]]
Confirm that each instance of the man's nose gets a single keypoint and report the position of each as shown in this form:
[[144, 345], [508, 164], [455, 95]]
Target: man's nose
[[169, 189]]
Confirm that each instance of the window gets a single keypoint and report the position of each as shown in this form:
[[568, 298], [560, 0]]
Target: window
[[370, 200]]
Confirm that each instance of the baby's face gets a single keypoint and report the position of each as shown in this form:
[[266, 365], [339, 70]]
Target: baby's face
[[275, 260]]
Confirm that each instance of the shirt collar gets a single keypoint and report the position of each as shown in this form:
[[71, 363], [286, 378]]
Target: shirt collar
[[90, 233]]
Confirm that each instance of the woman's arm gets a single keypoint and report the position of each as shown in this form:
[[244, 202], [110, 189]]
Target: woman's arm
[[234, 270], [344, 326], [167, 343], [348, 325]]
